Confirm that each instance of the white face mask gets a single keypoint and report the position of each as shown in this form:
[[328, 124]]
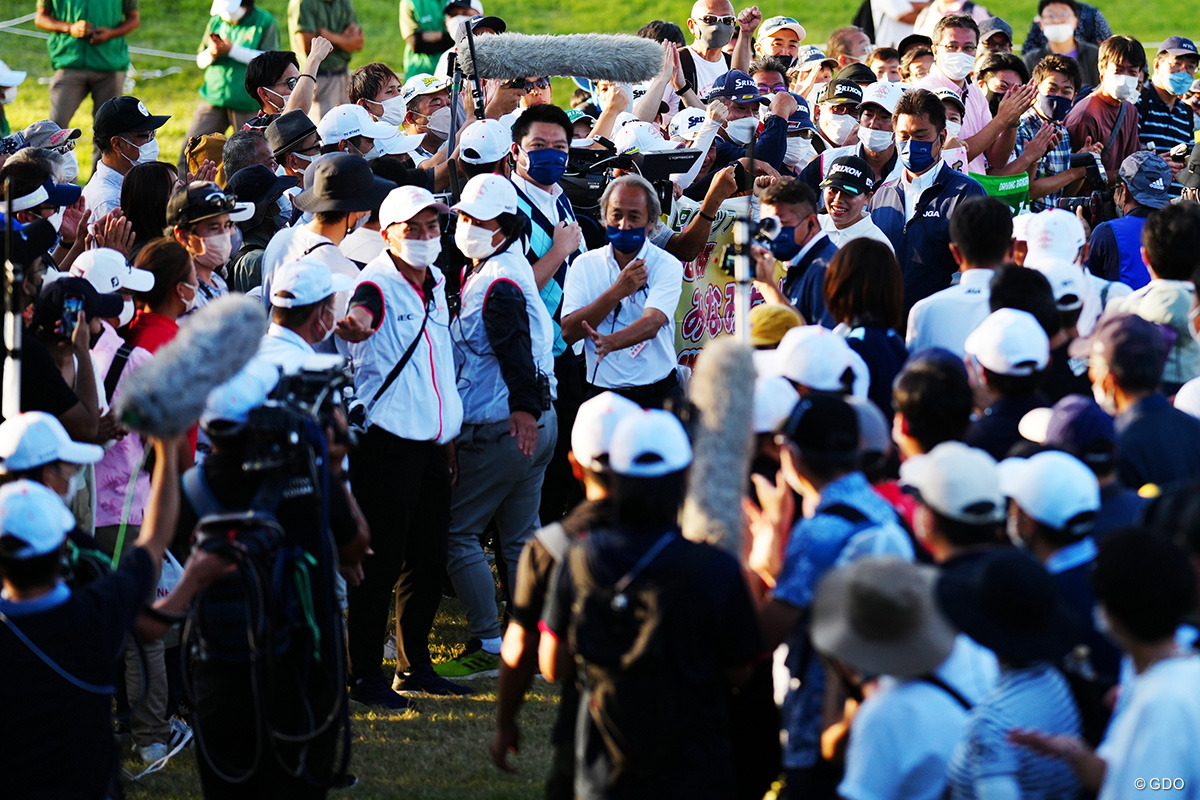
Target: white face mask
[[799, 152], [875, 141], [146, 153], [455, 25], [306, 159], [126, 315], [438, 123], [8, 95], [188, 305], [1122, 87], [740, 130], [1059, 32], [56, 219], [370, 155], [283, 98], [233, 17], [358, 223], [838, 127], [70, 166], [953, 129], [393, 110], [74, 485], [216, 250], [1109, 404], [420, 252], [474, 241], [957, 66]]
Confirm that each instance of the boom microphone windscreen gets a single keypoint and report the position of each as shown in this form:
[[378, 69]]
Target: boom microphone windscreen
[[722, 390], [166, 395], [605, 57]]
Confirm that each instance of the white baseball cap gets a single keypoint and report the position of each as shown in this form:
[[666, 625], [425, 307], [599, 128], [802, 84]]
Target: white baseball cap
[[779, 23], [592, 433], [399, 143], [106, 270], [1053, 236], [487, 197], [10, 77], [34, 514], [224, 7], [1021, 226], [404, 202], [686, 124], [816, 357], [1010, 342], [484, 141], [774, 399], [883, 94], [349, 120], [233, 400], [640, 137], [649, 444], [1066, 281], [306, 281], [957, 481], [1055, 488], [422, 83], [35, 438]]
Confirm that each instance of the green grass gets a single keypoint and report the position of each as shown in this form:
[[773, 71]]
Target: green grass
[[437, 754], [176, 27]]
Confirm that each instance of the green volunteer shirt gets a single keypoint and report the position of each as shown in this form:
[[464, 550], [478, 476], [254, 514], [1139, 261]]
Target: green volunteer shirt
[[307, 16], [67, 52], [224, 79], [415, 16]]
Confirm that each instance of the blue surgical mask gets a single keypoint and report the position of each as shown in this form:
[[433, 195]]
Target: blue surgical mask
[[629, 240], [1055, 107], [1179, 82], [784, 246], [546, 166], [915, 155]]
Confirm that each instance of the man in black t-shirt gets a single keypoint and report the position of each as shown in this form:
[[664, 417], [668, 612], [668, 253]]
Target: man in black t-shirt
[[59, 647], [590, 438], [677, 618]]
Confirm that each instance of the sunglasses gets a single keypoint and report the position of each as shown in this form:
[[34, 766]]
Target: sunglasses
[[220, 200], [529, 86], [709, 19], [289, 82]]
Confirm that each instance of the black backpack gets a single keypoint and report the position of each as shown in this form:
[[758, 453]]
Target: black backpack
[[617, 634]]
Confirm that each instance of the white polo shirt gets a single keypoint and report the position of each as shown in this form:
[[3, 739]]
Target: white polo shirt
[[103, 190], [646, 362], [863, 229], [289, 244], [946, 318]]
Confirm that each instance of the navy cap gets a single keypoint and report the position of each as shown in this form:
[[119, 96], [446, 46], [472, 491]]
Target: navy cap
[[125, 115], [801, 120], [48, 309], [1178, 46], [1147, 176], [738, 87], [810, 53], [993, 25], [858, 73]]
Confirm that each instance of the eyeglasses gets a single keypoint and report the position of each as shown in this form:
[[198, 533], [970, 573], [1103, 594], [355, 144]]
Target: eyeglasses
[[289, 82], [709, 19], [951, 47], [779, 87]]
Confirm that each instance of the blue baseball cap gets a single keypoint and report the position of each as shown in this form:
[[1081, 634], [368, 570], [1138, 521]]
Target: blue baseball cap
[[801, 120], [1178, 46], [810, 53], [738, 87]]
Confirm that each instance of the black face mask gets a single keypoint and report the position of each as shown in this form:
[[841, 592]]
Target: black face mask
[[994, 99]]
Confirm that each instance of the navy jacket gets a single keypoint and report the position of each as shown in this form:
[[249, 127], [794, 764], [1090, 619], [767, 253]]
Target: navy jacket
[[771, 147], [923, 245], [1157, 443], [804, 281]]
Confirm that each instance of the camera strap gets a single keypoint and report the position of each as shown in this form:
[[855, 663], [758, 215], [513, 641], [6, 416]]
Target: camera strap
[[396, 370], [115, 369], [1112, 137]]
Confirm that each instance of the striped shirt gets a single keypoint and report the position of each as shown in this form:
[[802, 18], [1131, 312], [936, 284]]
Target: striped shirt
[[1160, 128], [1056, 160], [1036, 698]]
